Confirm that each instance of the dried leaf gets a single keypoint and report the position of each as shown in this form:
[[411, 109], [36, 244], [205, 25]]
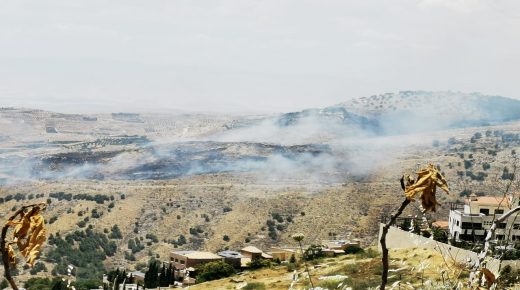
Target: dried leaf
[[37, 237], [11, 254], [426, 185], [490, 277], [23, 226]]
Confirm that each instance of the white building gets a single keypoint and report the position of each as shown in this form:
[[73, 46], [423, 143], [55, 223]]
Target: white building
[[130, 287], [471, 220]]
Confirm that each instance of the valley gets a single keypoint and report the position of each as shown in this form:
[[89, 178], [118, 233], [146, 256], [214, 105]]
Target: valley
[[211, 182]]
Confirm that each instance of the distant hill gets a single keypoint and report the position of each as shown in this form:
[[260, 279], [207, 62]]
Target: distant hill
[[413, 111], [400, 113]]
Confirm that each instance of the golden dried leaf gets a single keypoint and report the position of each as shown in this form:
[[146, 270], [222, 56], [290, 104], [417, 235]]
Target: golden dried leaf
[[490, 277], [32, 247], [426, 184], [23, 226], [11, 254]]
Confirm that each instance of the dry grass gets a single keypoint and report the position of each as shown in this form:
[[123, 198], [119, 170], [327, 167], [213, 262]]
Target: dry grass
[[414, 266]]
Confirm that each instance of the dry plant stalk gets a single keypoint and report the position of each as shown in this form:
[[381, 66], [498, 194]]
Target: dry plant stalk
[[426, 185], [29, 234]]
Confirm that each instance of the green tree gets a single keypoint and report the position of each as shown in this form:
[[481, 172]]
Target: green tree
[[292, 259], [163, 277], [313, 252], [151, 276], [115, 233], [214, 270]]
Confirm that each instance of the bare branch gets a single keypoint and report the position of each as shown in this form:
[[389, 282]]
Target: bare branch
[[384, 249]]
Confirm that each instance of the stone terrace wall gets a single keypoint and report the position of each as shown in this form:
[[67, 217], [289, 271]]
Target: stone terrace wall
[[399, 239]]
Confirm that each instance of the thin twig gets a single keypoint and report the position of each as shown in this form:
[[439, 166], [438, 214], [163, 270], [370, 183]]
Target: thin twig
[[384, 249], [305, 263]]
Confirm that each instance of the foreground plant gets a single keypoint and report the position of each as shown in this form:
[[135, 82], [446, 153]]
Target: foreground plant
[[425, 185], [299, 238], [29, 234]]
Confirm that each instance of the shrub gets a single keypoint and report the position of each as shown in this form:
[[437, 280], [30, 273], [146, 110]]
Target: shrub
[[277, 217], [129, 256], [95, 214], [53, 219], [181, 240], [507, 175], [227, 209], [370, 253], [291, 267], [508, 277], [38, 267], [313, 252], [354, 250], [214, 270], [254, 286], [259, 263], [226, 238], [115, 233], [152, 237]]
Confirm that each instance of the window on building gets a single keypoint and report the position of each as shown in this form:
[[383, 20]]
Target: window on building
[[516, 226], [474, 226], [501, 225], [499, 211], [457, 223], [182, 262], [484, 211], [500, 237]]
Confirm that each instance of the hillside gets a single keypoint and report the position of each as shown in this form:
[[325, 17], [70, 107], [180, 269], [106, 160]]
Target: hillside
[[142, 185], [415, 268], [387, 114]]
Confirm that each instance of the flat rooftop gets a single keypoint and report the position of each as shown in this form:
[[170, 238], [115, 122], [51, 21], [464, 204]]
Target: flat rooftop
[[198, 255]]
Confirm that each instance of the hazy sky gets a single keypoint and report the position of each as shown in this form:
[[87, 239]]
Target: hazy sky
[[250, 55]]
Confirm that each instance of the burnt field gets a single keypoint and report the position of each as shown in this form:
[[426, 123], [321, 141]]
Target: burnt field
[[149, 161]]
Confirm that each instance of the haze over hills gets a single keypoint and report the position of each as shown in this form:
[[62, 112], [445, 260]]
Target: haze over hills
[[45, 145], [186, 181]]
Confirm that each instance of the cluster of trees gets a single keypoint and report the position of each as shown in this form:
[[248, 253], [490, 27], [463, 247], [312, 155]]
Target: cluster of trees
[[135, 245], [84, 249], [196, 230], [181, 240], [158, 276], [273, 227], [19, 197], [115, 233], [98, 198], [480, 176], [59, 284], [116, 278], [214, 271]]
